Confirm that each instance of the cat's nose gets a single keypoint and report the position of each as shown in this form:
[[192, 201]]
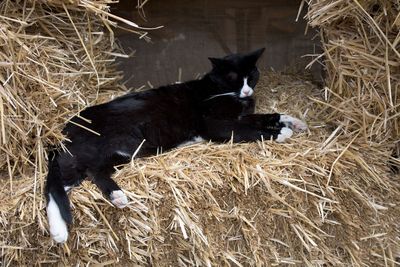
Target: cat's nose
[[246, 92]]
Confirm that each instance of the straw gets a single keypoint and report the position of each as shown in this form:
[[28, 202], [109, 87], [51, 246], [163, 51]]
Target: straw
[[329, 196]]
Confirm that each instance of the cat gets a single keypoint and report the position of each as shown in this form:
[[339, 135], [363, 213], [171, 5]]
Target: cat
[[218, 107]]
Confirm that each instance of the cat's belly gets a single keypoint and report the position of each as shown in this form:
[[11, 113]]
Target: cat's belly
[[194, 140]]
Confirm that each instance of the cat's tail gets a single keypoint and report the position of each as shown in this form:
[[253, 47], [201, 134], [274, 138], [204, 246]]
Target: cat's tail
[[58, 206]]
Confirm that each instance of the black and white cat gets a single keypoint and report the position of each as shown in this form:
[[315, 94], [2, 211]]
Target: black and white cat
[[217, 107]]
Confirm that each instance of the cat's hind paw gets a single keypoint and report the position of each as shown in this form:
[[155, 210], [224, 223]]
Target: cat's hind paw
[[293, 123], [58, 227], [285, 133], [119, 199], [59, 233]]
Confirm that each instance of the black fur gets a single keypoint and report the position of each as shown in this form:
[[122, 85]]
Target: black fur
[[164, 117]]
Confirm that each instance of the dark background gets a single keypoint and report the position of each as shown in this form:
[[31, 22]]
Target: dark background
[[197, 29]]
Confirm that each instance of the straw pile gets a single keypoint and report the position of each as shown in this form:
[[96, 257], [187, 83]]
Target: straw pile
[[361, 41], [55, 60], [327, 197]]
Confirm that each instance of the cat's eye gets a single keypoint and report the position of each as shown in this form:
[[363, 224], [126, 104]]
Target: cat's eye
[[254, 71], [232, 76], [253, 75]]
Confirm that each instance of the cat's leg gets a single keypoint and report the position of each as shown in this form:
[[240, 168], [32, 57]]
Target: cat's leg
[[274, 119], [251, 127], [102, 178], [62, 170], [57, 225], [247, 128]]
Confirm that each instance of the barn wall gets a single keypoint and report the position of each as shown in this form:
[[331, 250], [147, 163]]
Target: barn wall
[[195, 30]]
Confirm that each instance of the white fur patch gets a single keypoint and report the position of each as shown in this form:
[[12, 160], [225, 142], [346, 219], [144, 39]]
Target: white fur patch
[[285, 134], [119, 199], [246, 89], [293, 123], [195, 140], [67, 188], [58, 227]]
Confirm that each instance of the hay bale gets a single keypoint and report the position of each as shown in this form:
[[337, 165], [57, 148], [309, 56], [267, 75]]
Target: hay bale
[[55, 61], [327, 197], [361, 55], [231, 204]]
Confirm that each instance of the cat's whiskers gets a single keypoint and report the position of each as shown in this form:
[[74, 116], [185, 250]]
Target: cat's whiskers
[[225, 94]]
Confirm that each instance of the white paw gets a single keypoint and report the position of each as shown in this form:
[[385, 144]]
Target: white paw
[[59, 233], [285, 134], [119, 199], [293, 123], [58, 227]]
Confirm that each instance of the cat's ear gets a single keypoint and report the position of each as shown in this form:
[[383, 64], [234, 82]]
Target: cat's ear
[[252, 57], [216, 62]]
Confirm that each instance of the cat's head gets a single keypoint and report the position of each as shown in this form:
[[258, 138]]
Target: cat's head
[[236, 73]]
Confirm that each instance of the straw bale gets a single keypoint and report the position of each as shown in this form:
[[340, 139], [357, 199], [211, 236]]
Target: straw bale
[[361, 43], [328, 197], [54, 62], [231, 204]]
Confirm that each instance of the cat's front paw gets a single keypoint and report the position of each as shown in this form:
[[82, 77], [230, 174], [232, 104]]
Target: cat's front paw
[[285, 133], [293, 123], [119, 199]]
